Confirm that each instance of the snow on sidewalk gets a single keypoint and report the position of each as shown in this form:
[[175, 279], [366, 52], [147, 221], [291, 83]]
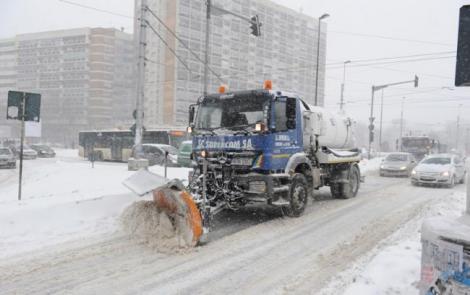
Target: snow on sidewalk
[[393, 267], [63, 199]]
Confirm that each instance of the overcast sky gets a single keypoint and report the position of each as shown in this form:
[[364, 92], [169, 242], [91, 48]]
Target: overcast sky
[[357, 30]]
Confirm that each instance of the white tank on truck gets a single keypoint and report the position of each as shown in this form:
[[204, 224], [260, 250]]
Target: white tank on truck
[[333, 130], [336, 131]]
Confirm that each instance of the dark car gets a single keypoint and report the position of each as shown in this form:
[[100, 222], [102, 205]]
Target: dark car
[[7, 158], [155, 154], [43, 150], [397, 164]]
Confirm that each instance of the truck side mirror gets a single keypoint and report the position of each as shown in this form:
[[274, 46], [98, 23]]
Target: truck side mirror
[[192, 109]]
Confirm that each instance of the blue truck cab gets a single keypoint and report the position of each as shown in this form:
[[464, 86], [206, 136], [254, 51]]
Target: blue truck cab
[[259, 146]]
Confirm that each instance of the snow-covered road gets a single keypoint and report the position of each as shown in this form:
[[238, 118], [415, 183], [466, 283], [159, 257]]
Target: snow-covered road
[[252, 251]]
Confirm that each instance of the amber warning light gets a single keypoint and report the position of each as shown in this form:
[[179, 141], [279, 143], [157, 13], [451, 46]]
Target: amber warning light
[[268, 85], [222, 89]]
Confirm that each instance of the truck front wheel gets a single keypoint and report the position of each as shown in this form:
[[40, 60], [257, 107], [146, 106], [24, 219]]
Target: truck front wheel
[[347, 190], [298, 196]]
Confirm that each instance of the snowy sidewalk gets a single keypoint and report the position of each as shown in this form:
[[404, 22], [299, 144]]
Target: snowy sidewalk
[[64, 198], [393, 267]]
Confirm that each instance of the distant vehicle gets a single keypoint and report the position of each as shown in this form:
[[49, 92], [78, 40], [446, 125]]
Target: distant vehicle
[[397, 164], [439, 169], [419, 146], [184, 153], [155, 154], [7, 158], [117, 145], [43, 151], [28, 152]]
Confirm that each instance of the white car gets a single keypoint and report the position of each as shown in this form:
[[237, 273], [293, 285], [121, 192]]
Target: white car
[[439, 169]]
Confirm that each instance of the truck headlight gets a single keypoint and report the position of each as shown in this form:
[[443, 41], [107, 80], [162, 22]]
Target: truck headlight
[[260, 127], [204, 154]]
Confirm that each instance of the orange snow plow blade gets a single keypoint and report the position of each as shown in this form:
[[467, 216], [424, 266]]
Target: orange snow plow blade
[[180, 206]]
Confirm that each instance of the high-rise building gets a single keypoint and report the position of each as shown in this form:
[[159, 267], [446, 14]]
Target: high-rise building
[[286, 53], [85, 77]]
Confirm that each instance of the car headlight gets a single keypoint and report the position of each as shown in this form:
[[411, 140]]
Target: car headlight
[[402, 167], [382, 166], [445, 173], [413, 172]]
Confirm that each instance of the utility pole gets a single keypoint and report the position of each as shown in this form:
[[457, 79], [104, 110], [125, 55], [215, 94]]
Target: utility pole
[[318, 56], [401, 123], [139, 118], [207, 53], [458, 129], [372, 118], [381, 119], [341, 104]]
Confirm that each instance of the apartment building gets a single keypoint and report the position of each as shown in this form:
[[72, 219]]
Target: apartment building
[[85, 77], [286, 53]]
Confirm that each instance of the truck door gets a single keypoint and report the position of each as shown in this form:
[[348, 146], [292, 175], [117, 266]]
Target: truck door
[[287, 137]]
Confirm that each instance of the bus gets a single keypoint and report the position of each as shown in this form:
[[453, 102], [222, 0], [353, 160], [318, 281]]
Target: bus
[[116, 145], [419, 146]]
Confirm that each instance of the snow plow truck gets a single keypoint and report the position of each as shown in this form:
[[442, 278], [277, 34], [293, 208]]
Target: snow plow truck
[[256, 146]]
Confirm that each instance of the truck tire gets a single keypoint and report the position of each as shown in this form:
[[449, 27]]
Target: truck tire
[[298, 196], [347, 190]]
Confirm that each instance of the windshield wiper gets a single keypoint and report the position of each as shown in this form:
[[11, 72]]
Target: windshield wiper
[[244, 129]]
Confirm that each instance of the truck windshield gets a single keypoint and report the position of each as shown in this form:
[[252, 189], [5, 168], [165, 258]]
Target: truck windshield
[[416, 142], [233, 113]]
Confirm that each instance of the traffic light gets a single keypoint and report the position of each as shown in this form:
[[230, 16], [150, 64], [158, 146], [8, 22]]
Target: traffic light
[[416, 81], [371, 135], [462, 69], [255, 26]]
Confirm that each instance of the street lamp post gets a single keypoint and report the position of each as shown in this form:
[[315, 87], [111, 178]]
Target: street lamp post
[[318, 55], [372, 118], [401, 124], [341, 104], [381, 119]]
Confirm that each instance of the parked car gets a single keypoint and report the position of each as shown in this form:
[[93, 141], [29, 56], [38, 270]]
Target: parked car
[[7, 158], [43, 150], [28, 153], [439, 169], [184, 153], [397, 164], [155, 154]]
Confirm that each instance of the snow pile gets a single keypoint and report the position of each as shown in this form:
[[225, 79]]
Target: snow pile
[[367, 166], [143, 222], [393, 267], [64, 199]]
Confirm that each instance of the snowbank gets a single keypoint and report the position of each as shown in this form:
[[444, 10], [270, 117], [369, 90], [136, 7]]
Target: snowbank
[[63, 199], [393, 267], [366, 166]]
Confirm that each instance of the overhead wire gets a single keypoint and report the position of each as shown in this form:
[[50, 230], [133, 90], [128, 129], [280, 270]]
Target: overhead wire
[[183, 43]]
